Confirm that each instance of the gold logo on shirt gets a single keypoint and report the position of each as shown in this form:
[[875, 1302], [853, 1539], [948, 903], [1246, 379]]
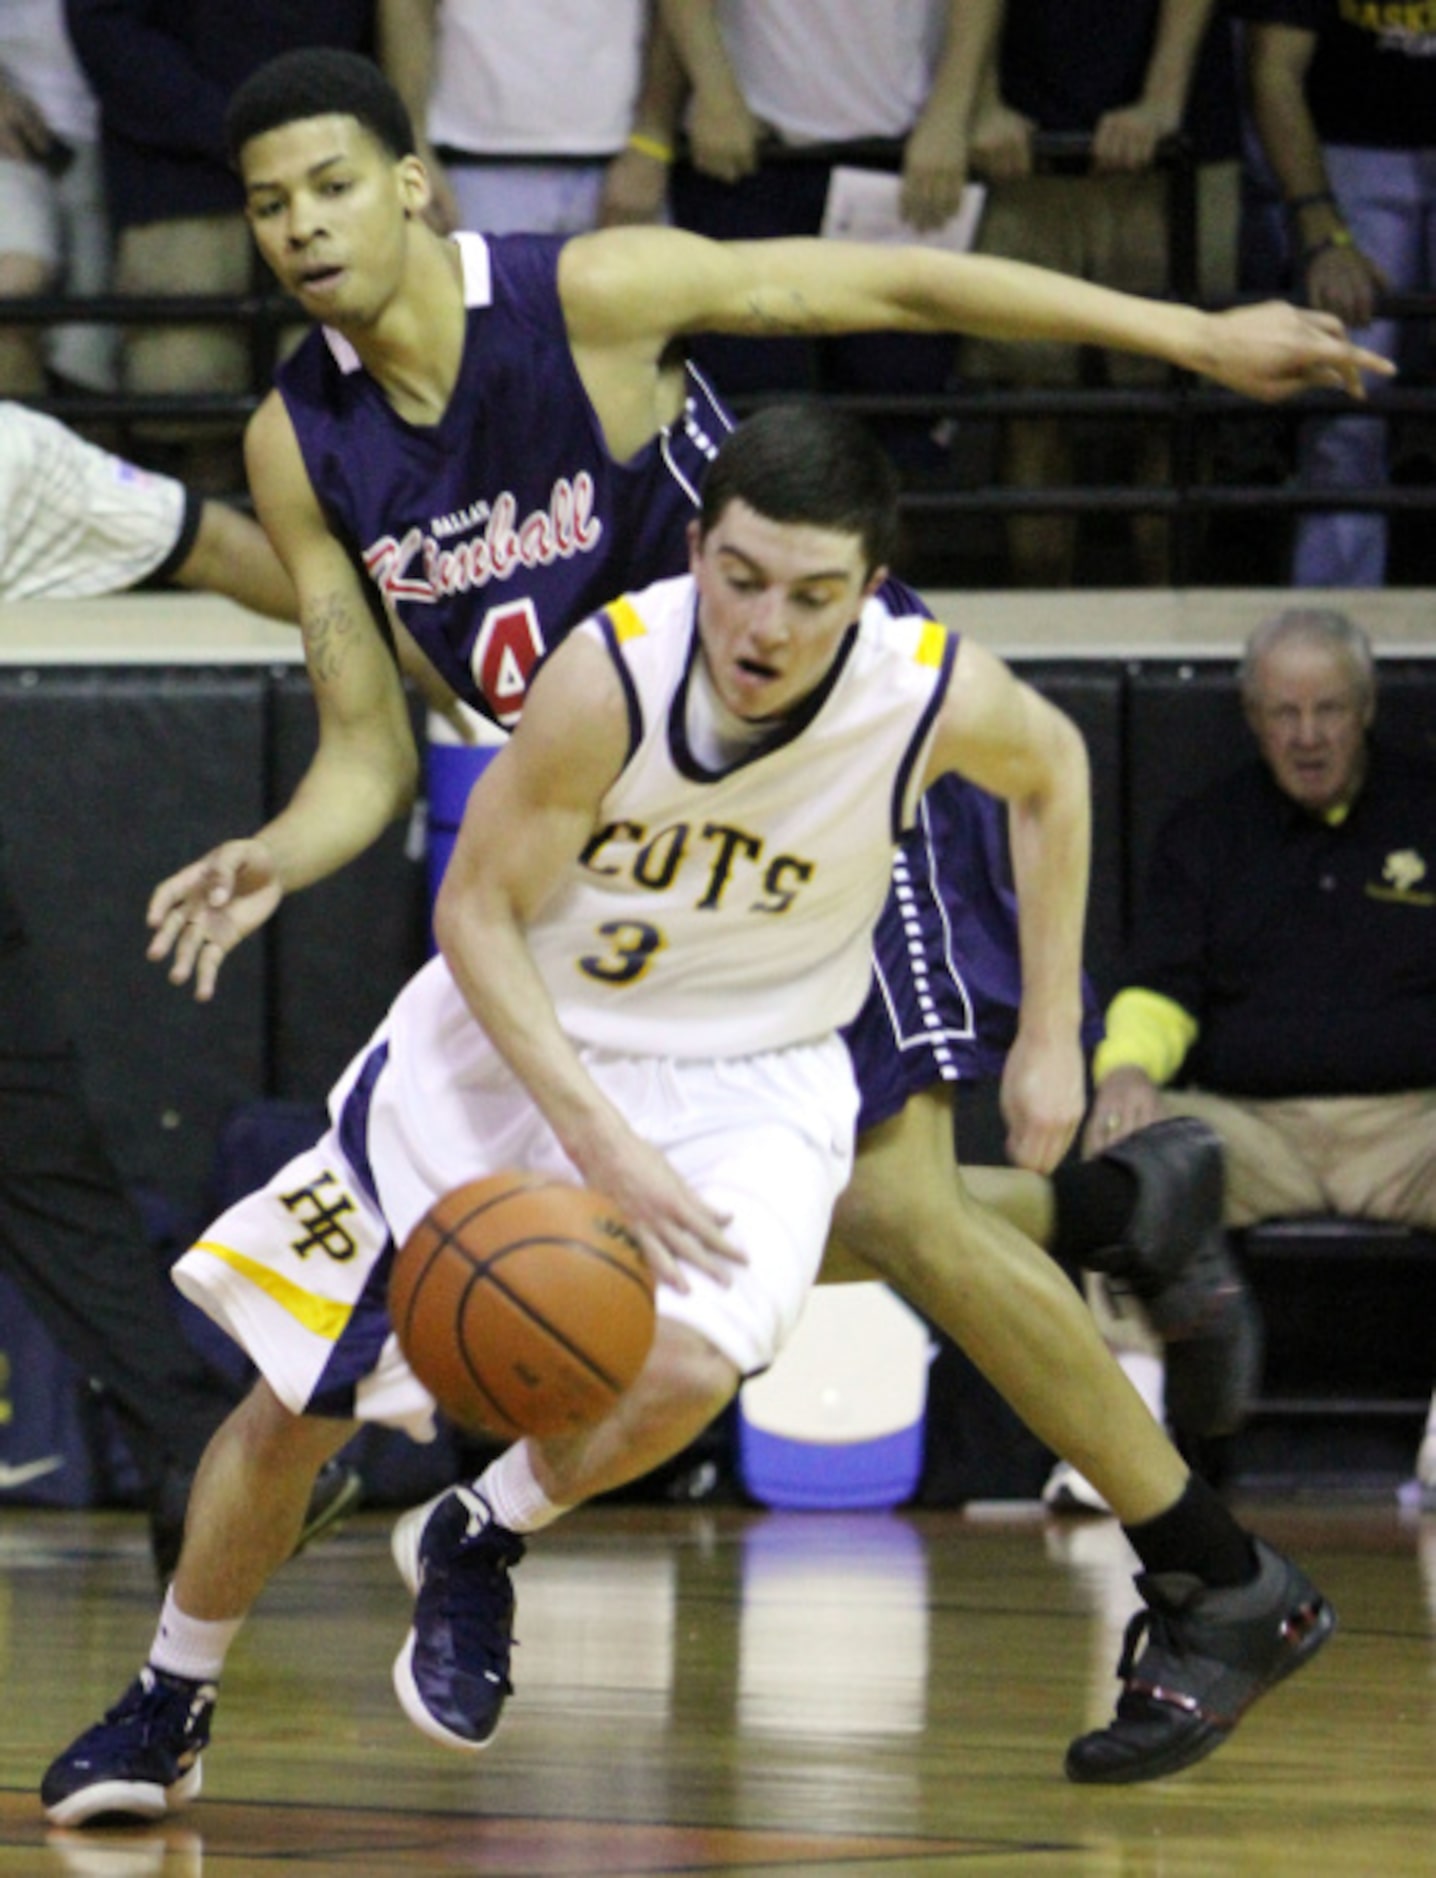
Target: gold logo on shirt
[[1403, 869], [1402, 872]]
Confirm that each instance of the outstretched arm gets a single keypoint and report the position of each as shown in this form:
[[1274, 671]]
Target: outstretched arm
[[525, 823], [999, 733], [365, 771], [628, 293]]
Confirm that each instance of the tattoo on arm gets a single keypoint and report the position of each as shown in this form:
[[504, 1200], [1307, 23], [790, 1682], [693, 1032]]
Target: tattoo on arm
[[769, 318], [328, 625]]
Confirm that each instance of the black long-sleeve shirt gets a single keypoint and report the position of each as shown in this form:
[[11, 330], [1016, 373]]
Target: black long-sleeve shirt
[[1306, 951]]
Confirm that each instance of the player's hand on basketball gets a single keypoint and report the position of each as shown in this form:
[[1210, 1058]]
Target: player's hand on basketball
[[674, 1227], [1274, 350], [199, 915], [1126, 1100], [1042, 1097]]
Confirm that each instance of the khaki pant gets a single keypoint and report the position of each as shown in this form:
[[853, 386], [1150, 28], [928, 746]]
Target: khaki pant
[[202, 254], [1108, 229]]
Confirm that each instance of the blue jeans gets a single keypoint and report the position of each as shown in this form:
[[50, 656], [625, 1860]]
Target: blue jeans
[[1388, 198]]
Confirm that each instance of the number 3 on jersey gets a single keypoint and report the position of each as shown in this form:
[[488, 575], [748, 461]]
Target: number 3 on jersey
[[508, 647], [632, 944]]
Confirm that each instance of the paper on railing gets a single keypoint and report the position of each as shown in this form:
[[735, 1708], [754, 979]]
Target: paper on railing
[[865, 205]]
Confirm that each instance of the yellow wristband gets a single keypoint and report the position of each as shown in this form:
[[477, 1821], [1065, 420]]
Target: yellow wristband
[[1338, 238], [650, 147]]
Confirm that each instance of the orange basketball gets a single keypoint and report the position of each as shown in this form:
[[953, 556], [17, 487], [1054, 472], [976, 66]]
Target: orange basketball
[[523, 1304]]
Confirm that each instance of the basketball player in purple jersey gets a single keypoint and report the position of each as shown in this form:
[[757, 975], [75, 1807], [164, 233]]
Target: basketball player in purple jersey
[[552, 373]]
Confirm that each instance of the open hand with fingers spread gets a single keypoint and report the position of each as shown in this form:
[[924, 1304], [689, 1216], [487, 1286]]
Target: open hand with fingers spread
[[199, 915]]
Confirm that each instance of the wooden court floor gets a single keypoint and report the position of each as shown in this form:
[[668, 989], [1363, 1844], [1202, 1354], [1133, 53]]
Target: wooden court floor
[[728, 1692]]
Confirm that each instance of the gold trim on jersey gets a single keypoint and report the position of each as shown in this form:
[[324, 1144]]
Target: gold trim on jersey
[[626, 620], [932, 643]]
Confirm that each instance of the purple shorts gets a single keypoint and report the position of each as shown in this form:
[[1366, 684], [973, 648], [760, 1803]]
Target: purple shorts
[[947, 980]]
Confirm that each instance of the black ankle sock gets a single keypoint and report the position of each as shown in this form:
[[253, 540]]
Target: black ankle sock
[[1197, 1534], [1092, 1202]]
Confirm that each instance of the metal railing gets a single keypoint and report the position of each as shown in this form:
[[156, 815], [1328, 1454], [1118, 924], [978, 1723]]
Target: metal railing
[[1188, 409]]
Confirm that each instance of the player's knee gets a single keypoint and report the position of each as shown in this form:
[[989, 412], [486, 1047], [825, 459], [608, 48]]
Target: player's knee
[[686, 1382], [275, 1434], [905, 1231], [889, 1224]]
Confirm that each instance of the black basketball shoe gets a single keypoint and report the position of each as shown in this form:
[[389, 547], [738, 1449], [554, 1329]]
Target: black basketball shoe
[[1207, 1656]]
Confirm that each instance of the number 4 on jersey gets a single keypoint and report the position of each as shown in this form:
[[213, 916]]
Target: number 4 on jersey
[[508, 647]]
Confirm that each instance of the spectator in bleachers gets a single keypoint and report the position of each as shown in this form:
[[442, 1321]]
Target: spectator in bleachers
[[54, 234], [1344, 102], [1281, 984], [1130, 76], [163, 71], [536, 116], [769, 77]]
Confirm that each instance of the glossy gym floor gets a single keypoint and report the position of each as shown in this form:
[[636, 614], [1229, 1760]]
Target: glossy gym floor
[[719, 1691]]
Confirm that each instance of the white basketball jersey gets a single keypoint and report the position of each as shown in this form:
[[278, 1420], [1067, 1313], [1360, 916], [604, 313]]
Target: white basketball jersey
[[717, 912]]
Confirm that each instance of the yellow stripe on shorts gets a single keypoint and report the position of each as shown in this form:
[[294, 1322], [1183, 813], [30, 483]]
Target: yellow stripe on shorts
[[323, 1317], [627, 622]]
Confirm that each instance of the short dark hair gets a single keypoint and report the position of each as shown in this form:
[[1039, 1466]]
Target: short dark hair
[[318, 81], [806, 461]]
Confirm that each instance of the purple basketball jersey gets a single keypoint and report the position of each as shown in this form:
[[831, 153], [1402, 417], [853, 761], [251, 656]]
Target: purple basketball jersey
[[492, 533]]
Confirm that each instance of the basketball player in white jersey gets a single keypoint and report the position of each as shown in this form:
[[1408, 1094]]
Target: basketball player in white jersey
[[337, 200], [657, 917]]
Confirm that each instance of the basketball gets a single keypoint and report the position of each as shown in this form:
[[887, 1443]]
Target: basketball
[[523, 1304]]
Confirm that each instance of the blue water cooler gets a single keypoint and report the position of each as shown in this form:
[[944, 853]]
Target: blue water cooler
[[839, 1420]]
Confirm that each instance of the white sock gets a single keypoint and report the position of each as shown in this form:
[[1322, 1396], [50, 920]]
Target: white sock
[[511, 1489], [191, 1646]]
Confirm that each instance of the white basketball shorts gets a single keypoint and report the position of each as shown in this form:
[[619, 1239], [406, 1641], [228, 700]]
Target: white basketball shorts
[[297, 1272]]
